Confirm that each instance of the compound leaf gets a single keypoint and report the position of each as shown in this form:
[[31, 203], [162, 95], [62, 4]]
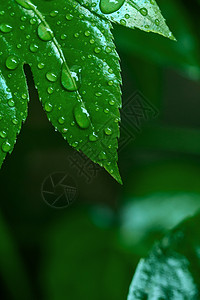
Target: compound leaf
[[76, 70]]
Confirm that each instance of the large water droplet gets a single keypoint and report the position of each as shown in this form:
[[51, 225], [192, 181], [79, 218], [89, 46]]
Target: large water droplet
[[81, 116], [12, 62], [23, 3], [6, 146], [93, 137], [44, 32], [110, 6], [51, 76], [71, 78], [5, 28]]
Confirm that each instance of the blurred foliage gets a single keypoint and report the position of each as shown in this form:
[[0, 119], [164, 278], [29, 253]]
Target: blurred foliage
[[90, 249], [171, 270]]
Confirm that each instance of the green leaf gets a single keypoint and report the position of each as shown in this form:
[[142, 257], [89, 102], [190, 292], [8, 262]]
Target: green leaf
[[76, 70], [171, 270], [141, 14]]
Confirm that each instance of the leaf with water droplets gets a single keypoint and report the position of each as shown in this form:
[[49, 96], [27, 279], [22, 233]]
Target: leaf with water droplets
[[76, 71], [141, 14], [171, 270]]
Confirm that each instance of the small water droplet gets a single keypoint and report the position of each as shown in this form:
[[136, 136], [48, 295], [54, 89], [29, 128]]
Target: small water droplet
[[61, 120], [11, 103], [48, 107], [12, 62], [93, 137], [34, 48], [144, 11], [108, 131], [3, 134], [102, 155]]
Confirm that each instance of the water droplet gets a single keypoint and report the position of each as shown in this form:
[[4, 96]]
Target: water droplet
[[6, 146], [81, 116], [93, 137], [97, 50], [50, 90], [11, 103], [71, 78], [41, 66], [48, 107], [108, 49], [110, 6], [12, 62], [112, 102], [157, 22], [54, 13], [15, 121], [33, 21], [61, 120], [144, 11], [5, 28], [74, 144], [69, 17], [51, 76], [102, 155], [87, 33], [3, 134], [108, 131], [34, 48], [44, 32]]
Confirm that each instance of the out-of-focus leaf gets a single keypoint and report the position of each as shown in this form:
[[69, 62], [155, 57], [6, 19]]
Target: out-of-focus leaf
[[171, 270], [145, 219]]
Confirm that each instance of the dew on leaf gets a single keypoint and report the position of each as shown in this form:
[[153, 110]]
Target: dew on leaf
[[108, 131], [102, 155], [12, 62], [70, 79], [50, 90], [144, 11], [6, 146], [11, 103], [110, 6], [81, 116], [61, 120], [54, 13], [93, 137], [5, 28], [44, 32], [48, 107], [41, 66], [51, 76], [34, 48], [3, 134], [69, 17]]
